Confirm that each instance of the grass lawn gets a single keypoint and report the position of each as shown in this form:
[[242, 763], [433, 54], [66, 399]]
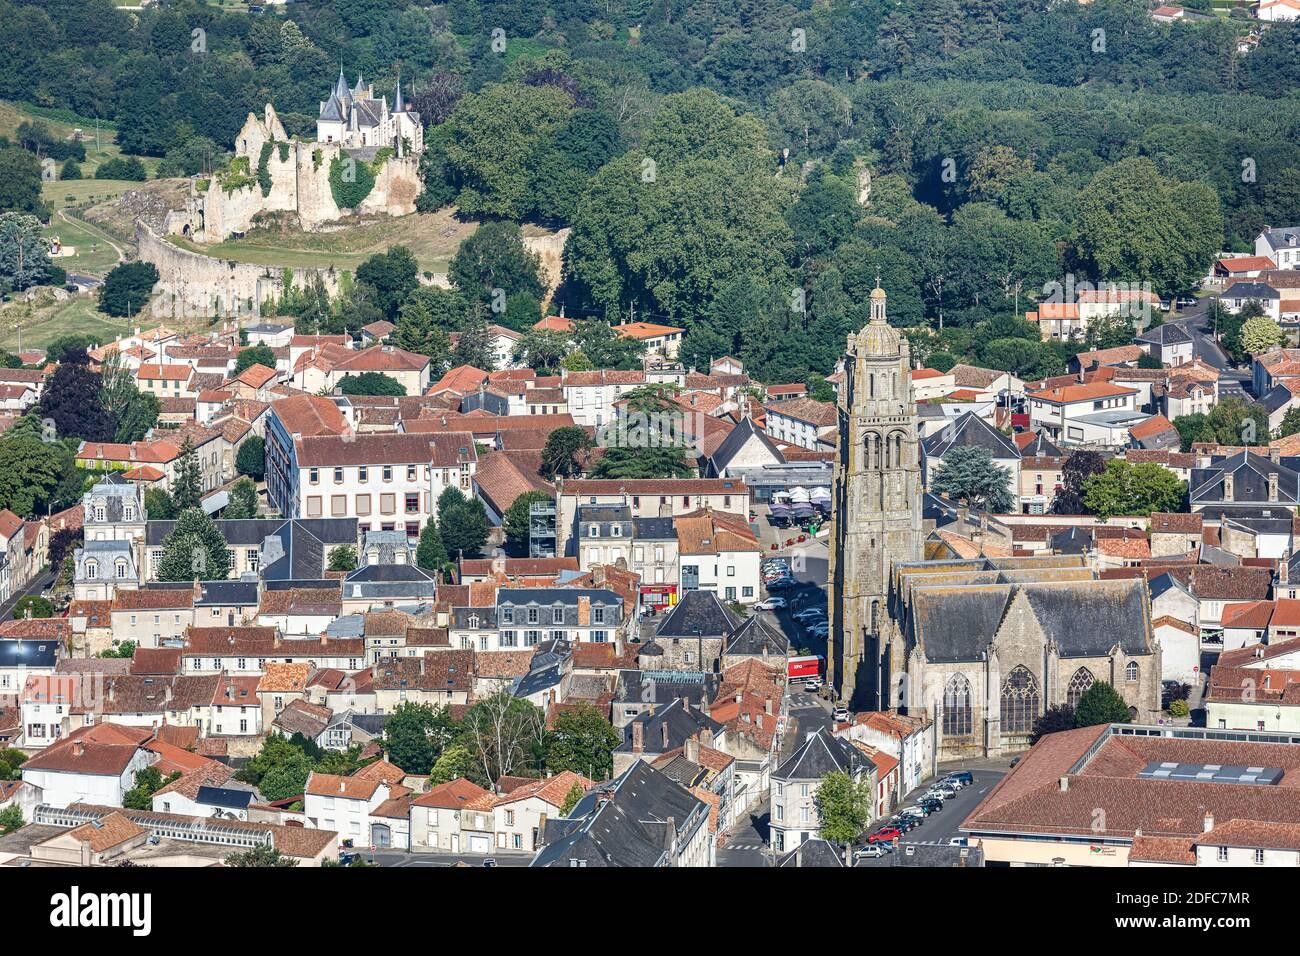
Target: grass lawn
[[94, 256], [432, 237], [78, 315]]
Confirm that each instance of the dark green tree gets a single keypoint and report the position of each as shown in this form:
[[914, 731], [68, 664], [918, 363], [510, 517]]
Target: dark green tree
[[127, 288], [1101, 704], [967, 474], [566, 452], [516, 521], [194, 550], [582, 740], [431, 553], [250, 460], [254, 355]]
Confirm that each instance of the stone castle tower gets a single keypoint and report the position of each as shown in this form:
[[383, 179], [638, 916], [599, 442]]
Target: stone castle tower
[[876, 521]]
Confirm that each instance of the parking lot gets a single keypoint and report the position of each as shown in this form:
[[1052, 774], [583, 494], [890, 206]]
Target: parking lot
[[939, 828]]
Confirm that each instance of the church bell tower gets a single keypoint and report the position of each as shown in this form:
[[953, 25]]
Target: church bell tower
[[876, 521]]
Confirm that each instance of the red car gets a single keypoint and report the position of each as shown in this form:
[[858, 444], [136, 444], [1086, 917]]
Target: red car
[[885, 835]]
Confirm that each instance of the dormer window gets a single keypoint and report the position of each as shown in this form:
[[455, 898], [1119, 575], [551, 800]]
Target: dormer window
[[92, 569], [473, 622], [99, 512], [128, 513], [120, 570]]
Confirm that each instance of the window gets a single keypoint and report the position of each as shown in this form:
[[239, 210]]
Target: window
[[508, 639], [412, 503], [597, 615], [1223, 854], [510, 818], [1019, 702], [534, 615], [507, 615], [388, 472], [387, 505], [1259, 856], [363, 504], [338, 476], [532, 638], [1079, 683], [557, 615], [1131, 671], [313, 475], [339, 505], [410, 473], [92, 570], [956, 707], [119, 570], [363, 473]]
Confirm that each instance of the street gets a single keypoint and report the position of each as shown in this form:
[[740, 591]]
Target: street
[[1232, 382], [42, 581], [401, 858], [939, 828]]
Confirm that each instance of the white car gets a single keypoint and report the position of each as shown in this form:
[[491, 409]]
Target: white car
[[771, 604], [874, 850], [840, 714], [809, 613], [812, 684], [956, 841], [819, 630]]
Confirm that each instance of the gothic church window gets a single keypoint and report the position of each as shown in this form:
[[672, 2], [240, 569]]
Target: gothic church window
[[1131, 671], [956, 707], [1019, 702], [1079, 683]]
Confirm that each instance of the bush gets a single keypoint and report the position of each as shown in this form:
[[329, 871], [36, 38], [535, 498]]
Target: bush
[[1178, 708], [122, 168], [350, 181]]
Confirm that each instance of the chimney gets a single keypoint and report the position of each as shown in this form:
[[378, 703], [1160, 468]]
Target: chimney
[[664, 734], [1227, 488], [1065, 784], [1208, 822], [1272, 486], [1284, 567], [79, 749], [638, 736], [692, 749], [1274, 454], [343, 786]]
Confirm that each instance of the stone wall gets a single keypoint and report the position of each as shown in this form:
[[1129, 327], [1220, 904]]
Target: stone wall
[[192, 285]]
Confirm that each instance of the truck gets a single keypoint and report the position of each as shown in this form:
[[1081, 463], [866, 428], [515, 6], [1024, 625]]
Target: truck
[[804, 668]]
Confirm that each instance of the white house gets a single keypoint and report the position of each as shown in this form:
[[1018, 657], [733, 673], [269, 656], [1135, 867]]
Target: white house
[[344, 804], [386, 481], [1277, 11], [718, 552], [436, 818], [518, 815], [591, 396], [96, 766], [805, 422], [1095, 412]]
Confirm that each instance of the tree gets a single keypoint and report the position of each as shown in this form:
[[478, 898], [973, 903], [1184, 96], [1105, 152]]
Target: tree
[[1101, 704], [542, 350], [1078, 468], [664, 461], [431, 553], [194, 550], [582, 740], [127, 168], [1134, 223], [121, 650], [415, 736], [148, 781], [844, 806], [968, 474], [455, 762], [393, 275], [242, 501], [1056, 718], [1290, 422], [474, 344], [504, 734], [462, 523], [575, 794], [371, 383], [566, 452], [20, 183], [1260, 335], [33, 605], [1125, 488], [343, 557], [427, 315], [251, 458], [261, 855], [279, 770], [30, 471], [517, 520], [72, 400], [11, 819], [127, 288], [495, 257], [187, 489], [254, 355], [158, 503], [24, 252]]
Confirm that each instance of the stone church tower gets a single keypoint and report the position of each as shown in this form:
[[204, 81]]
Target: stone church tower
[[876, 521]]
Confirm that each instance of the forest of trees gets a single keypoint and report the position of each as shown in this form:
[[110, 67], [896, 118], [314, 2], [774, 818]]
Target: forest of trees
[[1007, 145]]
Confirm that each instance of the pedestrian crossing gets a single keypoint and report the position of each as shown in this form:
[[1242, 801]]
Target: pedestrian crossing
[[745, 846]]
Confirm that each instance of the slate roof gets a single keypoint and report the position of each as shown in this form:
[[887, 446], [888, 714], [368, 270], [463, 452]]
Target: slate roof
[[1165, 335], [702, 612], [667, 728], [822, 753], [816, 852], [755, 636], [1085, 618], [1250, 473], [736, 439], [624, 823], [662, 687], [970, 431]]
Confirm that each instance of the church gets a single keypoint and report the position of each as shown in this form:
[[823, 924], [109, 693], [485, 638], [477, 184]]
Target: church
[[981, 646]]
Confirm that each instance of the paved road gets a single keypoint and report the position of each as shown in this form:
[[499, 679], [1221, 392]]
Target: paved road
[[941, 827], [1195, 322], [747, 841], [39, 584]]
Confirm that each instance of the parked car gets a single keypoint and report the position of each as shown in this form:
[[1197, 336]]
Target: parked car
[[840, 714], [917, 812], [809, 613], [819, 630], [885, 834], [963, 777], [812, 684], [347, 859], [873, 850], [779, 584], [956, 841], [930, 804], [771, 604]]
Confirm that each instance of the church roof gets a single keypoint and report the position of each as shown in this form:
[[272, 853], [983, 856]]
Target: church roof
[[1082, 618]]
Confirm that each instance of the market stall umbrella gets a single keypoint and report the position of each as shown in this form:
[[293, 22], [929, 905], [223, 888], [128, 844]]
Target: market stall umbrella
[[803, 510], [798, 495]]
